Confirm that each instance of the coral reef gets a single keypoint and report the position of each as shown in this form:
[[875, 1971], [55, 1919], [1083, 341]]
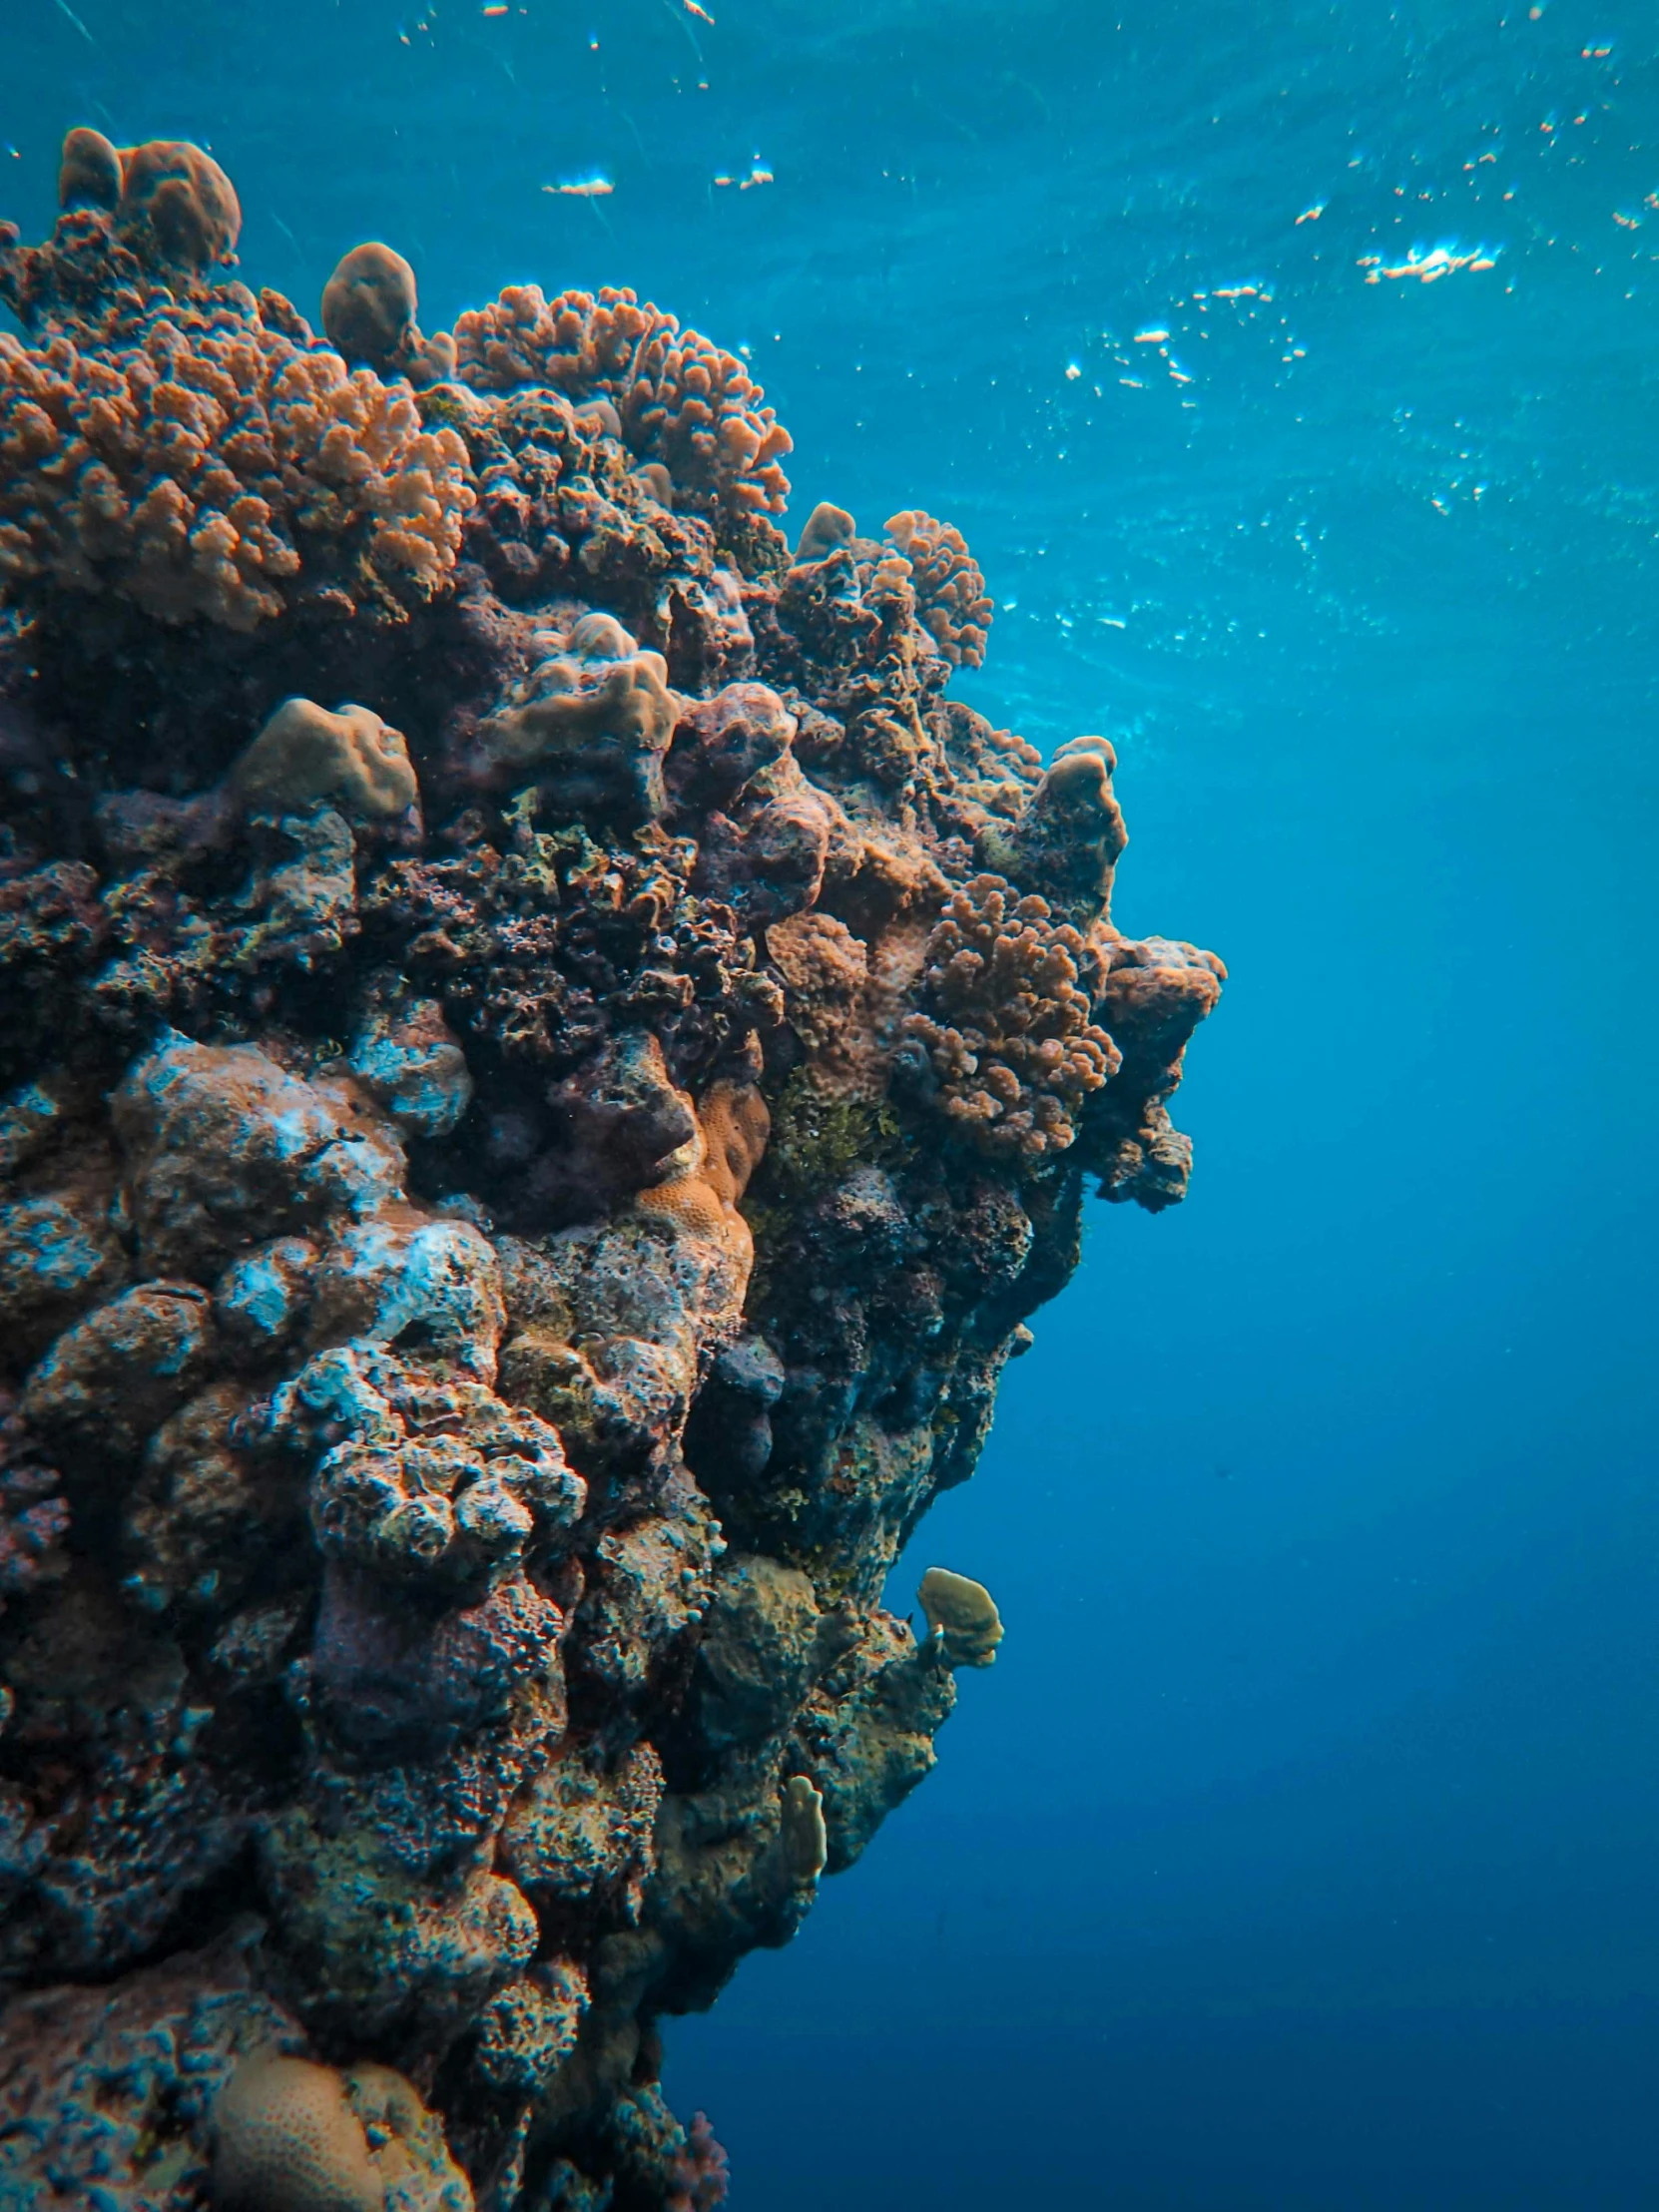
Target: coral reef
[[544, 1065]]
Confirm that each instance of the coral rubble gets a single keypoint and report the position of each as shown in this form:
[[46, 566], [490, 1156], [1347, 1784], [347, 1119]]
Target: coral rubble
[[545, 1064]]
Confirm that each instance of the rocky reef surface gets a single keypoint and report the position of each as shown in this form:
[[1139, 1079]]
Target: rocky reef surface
[[544, 1064]]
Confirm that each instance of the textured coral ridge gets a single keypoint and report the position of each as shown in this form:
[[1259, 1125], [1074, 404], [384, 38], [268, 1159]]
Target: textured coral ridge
[[545, 1064]]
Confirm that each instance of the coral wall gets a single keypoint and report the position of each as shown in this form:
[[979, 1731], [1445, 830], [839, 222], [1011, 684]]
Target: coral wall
[[545, 1065]]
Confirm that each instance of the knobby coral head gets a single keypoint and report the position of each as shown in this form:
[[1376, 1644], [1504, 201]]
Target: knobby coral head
[[167, 188], [546, 1062]]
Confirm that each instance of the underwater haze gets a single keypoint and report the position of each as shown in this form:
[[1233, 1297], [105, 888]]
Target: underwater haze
[[1293, 372]]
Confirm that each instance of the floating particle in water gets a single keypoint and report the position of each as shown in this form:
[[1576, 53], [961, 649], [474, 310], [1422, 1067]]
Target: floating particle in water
[[1430, 268], [583, 188], [1158, 336]]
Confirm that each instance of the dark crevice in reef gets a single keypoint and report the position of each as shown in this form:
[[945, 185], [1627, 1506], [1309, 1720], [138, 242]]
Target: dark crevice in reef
[[545, 1066]]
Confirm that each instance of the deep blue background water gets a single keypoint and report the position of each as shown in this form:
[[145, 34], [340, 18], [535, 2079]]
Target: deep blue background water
[[1298, 1855]]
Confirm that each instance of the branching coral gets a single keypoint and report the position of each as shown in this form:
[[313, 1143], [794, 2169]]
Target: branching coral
[[949, 588], [207, 466], [516, 1193], [1008, 1033], [678, 401]]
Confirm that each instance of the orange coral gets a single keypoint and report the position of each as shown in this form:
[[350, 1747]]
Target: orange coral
[[186, 471], [950, 590], [576, 344], [695, 407], [1009, 1039], [679, 400], [732, 1125]]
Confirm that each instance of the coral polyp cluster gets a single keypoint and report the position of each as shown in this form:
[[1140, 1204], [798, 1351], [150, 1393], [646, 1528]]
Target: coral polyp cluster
[[677, 401], [544, 1064]]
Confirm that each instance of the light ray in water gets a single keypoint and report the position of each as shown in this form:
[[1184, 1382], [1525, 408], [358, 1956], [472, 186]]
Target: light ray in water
[[63, 7]]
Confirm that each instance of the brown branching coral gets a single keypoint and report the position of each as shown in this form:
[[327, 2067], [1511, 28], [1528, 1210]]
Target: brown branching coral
[[516, 1192], [677, 400], [207, 466], [950, 590], [1007, 1029]]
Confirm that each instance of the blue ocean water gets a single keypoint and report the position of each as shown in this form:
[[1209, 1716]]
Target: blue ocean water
[[1296, 1855]]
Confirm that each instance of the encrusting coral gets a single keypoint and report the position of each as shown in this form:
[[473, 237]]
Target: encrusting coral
[[544, 1064]]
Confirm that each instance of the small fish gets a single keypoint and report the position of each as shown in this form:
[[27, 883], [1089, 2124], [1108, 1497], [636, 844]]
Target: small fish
[[64, 8], [756, 177], [701, 14], [588, 188]]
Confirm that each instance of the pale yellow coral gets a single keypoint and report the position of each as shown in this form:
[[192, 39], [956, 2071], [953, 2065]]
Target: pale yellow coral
[[294, 2137], [285, 2139], [805, 1837], [305, 756], [962, 1615]]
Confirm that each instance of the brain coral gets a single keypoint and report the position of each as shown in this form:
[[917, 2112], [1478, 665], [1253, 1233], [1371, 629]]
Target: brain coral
[[287, 2141], [516, 1192]]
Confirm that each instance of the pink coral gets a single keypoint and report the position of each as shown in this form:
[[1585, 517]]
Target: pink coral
[[700, 2176]]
